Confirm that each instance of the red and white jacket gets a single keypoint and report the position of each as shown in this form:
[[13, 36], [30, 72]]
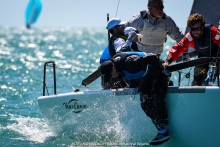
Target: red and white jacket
[[188, 41]]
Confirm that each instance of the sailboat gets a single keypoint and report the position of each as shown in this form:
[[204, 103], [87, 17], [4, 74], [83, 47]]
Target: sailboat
[[193, 110], [32, 12]]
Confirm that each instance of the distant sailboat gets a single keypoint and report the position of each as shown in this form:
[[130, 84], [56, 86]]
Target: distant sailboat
[[32, 12]]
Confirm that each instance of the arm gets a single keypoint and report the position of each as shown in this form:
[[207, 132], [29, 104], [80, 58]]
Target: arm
[[118, 44], [122, 46], [180, 47], [215, 35], [136, 22], [173, 30]]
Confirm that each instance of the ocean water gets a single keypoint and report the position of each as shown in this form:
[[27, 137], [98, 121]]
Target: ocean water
[[23, 53]]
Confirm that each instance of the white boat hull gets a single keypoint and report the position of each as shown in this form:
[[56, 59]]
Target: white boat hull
[[193, 115]]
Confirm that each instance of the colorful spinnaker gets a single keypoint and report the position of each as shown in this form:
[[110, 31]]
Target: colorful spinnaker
[[32, 12]]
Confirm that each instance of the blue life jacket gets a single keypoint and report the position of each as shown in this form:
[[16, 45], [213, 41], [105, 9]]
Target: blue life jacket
[[105, 55]]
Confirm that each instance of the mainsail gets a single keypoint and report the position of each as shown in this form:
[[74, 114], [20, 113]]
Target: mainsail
[[32, 12], [210, 10]]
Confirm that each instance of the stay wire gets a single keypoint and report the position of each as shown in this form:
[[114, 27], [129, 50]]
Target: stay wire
[[66, 79], [117, 8], [183, 73], [75, 89], [214, 67]]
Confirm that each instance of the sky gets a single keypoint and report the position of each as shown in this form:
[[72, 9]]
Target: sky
[[86, 13]]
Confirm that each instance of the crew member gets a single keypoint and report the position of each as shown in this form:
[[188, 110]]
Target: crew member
[[152, 87], [204, 38]]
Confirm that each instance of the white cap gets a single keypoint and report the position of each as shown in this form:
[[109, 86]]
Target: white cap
[[114, 22]]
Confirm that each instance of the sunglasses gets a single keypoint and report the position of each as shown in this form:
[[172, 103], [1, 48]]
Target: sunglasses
[[158, 7], [196, 29], [121, 26]]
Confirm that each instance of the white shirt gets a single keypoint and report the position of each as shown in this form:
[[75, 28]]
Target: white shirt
[[119, 43]]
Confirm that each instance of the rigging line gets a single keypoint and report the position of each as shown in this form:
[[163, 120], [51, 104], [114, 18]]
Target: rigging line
[[189, 75], [65, 78], [183, 73], [61, 68], [117, 8]]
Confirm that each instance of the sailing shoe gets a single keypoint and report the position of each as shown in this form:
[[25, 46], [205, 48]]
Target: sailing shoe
[[160, 138]]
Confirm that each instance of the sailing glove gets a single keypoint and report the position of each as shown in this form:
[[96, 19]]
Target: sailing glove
[[127, 30], [169, 60], [132, 35], [186, 57]]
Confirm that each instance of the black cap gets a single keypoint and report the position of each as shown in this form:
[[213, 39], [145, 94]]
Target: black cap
[[106, 70]]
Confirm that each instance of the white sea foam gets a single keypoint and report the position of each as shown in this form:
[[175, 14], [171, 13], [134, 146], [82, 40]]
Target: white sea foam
[[34, 129], [2, 99]]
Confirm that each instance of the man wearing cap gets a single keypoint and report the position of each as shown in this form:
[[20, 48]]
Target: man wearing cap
[[153, 85], [116, 28], [132, 39], [119, 36], [122, 39], [154, 25]]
